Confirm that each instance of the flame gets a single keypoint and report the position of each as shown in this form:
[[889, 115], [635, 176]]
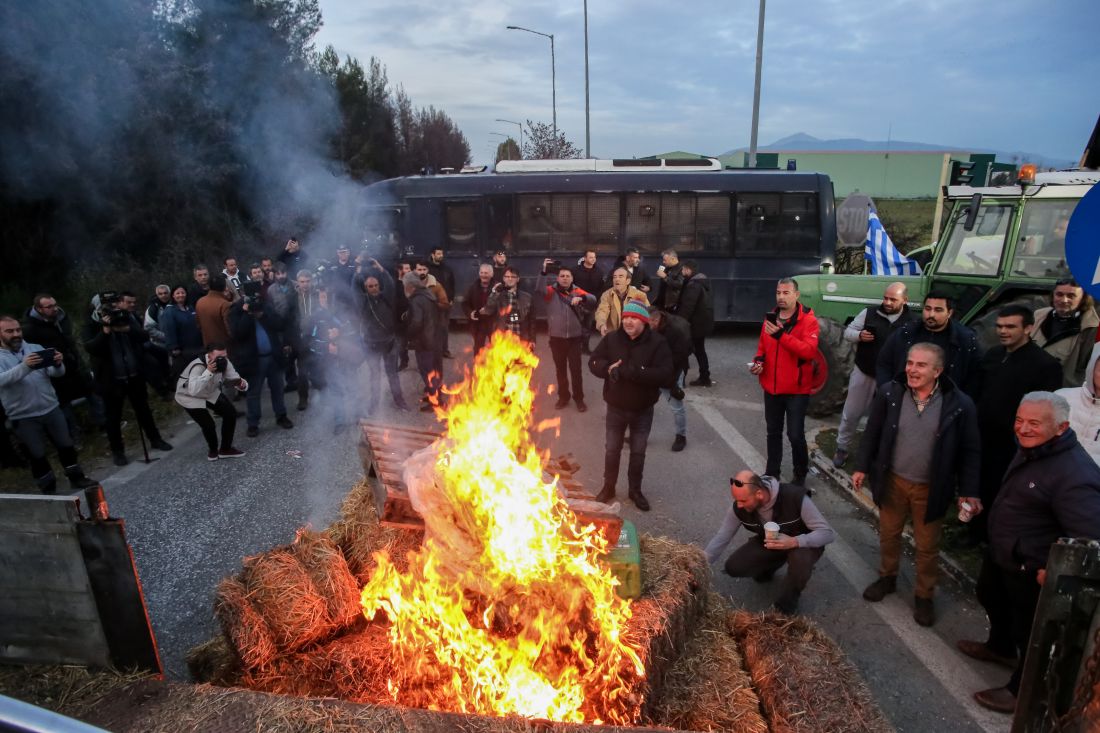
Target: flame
[[505, 609]]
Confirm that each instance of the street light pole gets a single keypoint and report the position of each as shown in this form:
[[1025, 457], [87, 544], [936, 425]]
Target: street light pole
[[511, 122], [587, 118], [756, 91], [553, 73]]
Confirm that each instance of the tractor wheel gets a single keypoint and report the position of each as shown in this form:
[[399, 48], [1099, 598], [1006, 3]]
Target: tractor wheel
[[985, 325], [834, 364]]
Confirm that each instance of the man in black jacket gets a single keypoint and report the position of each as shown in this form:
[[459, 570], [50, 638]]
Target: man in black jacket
[[677, 333], [258, 352], [671, 275], [960, 346], [1009, 371], [477, 295], [920, 447], [422, 332], [1051, 490], [589, 277], [697, 308], [379, 332], [634, 363], [446, 278]]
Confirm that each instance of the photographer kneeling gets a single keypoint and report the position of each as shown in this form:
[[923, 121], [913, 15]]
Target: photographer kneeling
[[199, 390]]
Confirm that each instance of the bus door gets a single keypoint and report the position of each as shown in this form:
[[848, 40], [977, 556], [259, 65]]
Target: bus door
[[464, 241]]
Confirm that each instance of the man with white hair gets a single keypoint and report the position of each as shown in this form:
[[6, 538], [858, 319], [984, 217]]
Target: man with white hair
[[1050, 490]]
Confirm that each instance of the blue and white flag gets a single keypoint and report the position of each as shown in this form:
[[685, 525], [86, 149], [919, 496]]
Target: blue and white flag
[[884, 256]]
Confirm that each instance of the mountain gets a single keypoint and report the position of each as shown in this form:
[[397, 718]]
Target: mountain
[[802, 141]]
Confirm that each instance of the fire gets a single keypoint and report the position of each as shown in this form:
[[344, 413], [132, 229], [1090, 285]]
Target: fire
[[505, 609]]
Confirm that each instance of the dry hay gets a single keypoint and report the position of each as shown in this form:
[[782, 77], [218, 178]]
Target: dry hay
[[325, 564], [242, 624], [359, 534], [215, 662], [708, 688], [804, 681], [282, 591], [67, 690]]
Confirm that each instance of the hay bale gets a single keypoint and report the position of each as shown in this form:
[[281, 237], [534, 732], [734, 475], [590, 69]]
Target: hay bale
[[282, 591], [215, 663], [708, 688], [327, 568], [243, 626], [803, 679], [359, 534]]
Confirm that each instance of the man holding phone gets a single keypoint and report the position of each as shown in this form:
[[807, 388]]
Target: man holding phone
[[31, 405], [784, 364]]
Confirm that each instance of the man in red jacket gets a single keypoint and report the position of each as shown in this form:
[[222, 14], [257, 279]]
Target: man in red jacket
[[784, 364]]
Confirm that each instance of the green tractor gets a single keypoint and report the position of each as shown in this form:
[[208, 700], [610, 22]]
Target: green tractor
[[999, 245]]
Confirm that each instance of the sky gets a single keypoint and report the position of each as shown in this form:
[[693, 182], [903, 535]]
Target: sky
[[1013, 75]]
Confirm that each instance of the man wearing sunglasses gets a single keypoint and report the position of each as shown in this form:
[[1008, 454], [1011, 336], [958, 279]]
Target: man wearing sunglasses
[[799, 542]]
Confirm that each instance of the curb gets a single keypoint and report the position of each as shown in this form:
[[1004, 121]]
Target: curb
[[841, 481]]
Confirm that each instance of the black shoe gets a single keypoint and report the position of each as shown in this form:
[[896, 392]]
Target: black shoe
[[878, 590], [639, 500], [679, 443], [303, 404], [581, 407], [924, 611], [561, 404], [287, 389], [839, 458], [120, 458], [787, 604], [606, 494], [701, 382], [284, 422], [160, 444], [252, 431]]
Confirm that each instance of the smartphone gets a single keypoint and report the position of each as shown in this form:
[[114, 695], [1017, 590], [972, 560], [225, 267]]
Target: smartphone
[[47, 358], [772, 317]]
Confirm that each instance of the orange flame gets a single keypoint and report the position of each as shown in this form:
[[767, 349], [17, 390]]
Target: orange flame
[[505, 609]]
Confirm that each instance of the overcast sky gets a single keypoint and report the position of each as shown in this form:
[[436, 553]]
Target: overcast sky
[[1006, 75]]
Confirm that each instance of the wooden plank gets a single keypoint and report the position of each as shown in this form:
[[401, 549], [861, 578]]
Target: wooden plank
[[36, 513]]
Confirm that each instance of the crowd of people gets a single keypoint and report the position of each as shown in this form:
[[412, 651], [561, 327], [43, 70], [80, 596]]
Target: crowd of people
[[1008, 438]]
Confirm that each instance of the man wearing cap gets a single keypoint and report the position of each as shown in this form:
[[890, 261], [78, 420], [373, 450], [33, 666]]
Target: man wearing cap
[[797, 539], [634, 362]]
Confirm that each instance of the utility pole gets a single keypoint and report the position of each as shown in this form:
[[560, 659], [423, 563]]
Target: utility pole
[[756, 90], [587, 116]]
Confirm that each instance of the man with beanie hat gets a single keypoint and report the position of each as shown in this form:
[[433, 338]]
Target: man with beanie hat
[[634, 362]]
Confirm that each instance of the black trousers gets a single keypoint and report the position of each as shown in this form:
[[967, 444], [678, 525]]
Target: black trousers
[[752, 559], [1009, 598], [114, 394], [567, 365], [699, 346], [224, 409]]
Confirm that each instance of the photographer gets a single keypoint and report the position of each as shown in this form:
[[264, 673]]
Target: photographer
[[199, 390], [512, 308], [32, 407], [567, 309], [115, 351]]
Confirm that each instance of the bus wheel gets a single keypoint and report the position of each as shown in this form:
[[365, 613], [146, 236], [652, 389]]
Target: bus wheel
[[833, 366]]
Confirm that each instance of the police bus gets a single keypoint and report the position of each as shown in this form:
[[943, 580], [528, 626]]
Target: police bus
[[745, 228]]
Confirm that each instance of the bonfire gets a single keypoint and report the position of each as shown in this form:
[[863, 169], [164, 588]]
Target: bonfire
[[505, 609]]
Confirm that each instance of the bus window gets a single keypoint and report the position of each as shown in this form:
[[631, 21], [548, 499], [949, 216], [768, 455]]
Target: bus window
[[569, 217], [462, 226], [567, 222], [604, 233], [757, 223], [800, 224], [500, 222], [712, 224], [643, 222], [677, 221]]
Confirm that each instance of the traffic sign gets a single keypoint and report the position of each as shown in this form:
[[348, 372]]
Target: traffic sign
[[851, 219], [1083, 242]]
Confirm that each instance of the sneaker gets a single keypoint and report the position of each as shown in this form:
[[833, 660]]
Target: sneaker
[[701, 382], [839, 458], [924, 611], [679, 443], [252, 431], [120, 458], [284, 422], [878, 590], [561, 404], [639, 500], [160, 444], [606, 494], [230, 452], [212, 455], [581, 407]]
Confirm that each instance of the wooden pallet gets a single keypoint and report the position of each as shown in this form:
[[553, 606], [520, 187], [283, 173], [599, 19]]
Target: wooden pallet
[[384, 449]]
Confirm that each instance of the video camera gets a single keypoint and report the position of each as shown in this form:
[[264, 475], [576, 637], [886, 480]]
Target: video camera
[[252, 294], [109, 310]]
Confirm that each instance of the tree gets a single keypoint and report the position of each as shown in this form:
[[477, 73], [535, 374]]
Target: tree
[[508, 150], [542, 143]]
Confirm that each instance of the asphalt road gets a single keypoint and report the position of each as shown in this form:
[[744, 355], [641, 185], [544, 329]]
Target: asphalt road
[[190, 522]]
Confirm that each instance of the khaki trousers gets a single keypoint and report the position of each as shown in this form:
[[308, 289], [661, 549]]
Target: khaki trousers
[[906, 499]]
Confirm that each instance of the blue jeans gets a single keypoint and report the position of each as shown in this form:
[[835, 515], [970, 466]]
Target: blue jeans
[[618, 420], [272, 373], [679, 412], [791, 407]]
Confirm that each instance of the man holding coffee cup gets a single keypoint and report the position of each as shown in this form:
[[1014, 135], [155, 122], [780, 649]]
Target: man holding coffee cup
[[787, 529]]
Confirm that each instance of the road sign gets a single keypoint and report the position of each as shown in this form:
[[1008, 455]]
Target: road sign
[[851, 219], [1083, 242]]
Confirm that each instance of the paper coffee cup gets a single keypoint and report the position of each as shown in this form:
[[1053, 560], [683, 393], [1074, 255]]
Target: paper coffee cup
[[771, 530]]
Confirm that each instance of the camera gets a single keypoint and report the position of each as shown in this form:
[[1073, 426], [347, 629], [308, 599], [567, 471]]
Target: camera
[[108, 308], [251, 294], [553, 267], [221, 363]]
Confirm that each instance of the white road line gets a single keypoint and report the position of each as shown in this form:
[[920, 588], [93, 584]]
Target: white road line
[[936, 656], [705, 399]]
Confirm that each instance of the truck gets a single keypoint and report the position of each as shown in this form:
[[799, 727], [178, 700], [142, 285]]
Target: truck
[[1000, 244]]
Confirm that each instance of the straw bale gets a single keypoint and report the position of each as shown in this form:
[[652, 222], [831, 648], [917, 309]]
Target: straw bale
[[68, 690], [282, 591], [360, 535], [708, 688], [214, 662], [803, 679], [327, 568], [244, 627]]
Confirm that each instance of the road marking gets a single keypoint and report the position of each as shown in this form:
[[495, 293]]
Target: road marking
[[931, 650], [695, 399]]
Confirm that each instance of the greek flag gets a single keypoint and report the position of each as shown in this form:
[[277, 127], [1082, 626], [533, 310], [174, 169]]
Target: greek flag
[[884, 256]]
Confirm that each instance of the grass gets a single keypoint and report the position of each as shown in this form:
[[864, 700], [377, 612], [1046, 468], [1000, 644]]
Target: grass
[[954, 536], [907, 221]]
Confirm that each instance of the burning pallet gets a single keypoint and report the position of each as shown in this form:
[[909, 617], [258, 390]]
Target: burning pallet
[[385, 448]]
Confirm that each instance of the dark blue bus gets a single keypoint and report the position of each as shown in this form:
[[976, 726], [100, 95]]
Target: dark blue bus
[[745, 228]]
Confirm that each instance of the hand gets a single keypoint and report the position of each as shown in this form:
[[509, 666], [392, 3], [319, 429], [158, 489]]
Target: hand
[[644, 288], [603, 330], [498, 287], [757, 367], [857, 479], [1041, 576], [974, 502], [547, 261], [242, 386], [57, 358], [866, 336], [576, 300], [473, 315], [332, 348], [782, 542], [771, 328], [661, 273], [615, 365], [244, 306], [32, 360]]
